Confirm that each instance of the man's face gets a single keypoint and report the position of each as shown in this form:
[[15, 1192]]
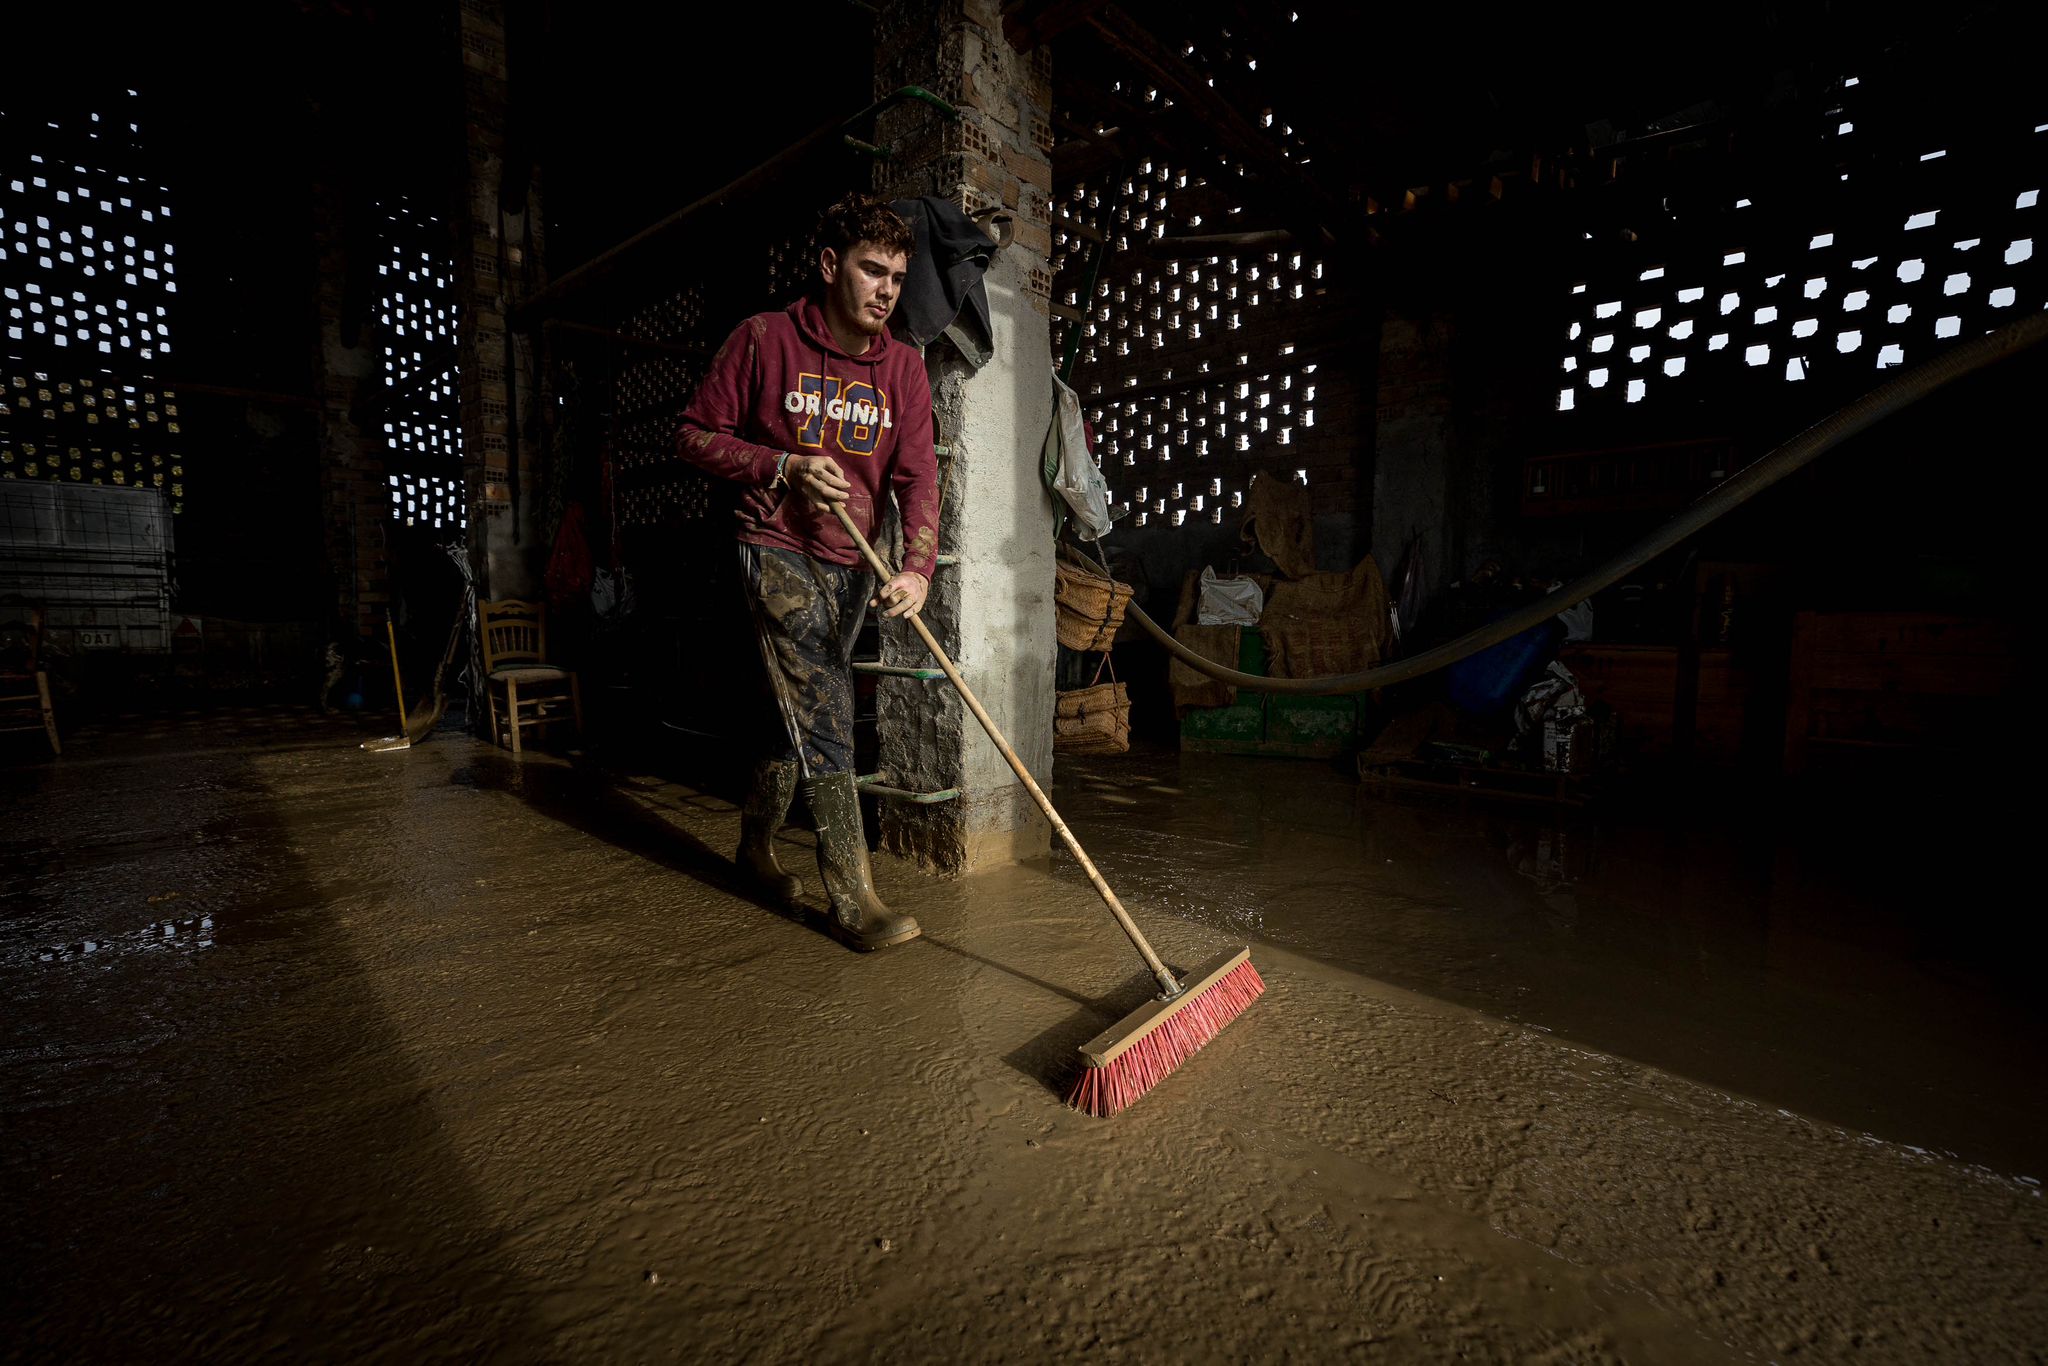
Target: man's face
[[861, 286]]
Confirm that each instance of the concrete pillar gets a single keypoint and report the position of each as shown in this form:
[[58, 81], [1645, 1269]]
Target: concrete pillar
[[993, 611], [353, 504], [497, 260], [1415, 454]]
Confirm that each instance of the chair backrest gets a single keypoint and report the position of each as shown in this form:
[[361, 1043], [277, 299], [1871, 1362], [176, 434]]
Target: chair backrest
[[514, 632]]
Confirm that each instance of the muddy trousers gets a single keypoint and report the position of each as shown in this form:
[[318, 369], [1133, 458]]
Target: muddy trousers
[[807, 615]]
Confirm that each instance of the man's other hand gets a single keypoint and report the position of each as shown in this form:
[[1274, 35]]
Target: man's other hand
[[904, 593], [817, 477]]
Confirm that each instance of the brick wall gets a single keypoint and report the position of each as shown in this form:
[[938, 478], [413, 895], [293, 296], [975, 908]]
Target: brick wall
[[500, 258], [354, 503], [996, 157], [1200, 368]]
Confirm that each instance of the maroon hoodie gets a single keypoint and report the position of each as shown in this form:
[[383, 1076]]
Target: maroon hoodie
[[781, 383]]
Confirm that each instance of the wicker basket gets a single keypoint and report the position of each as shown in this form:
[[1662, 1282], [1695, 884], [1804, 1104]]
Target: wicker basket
[[1090, 607], [1093, 720]]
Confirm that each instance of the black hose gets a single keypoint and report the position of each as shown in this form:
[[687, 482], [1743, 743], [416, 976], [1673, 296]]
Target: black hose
[[1880, 403]]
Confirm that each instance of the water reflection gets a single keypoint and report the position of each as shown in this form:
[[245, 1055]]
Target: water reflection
[[1808, 953], [190, 934]]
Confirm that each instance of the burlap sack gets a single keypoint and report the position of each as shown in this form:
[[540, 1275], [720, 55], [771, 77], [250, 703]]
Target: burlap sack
[[1283, 520], [1192, 689], [1332, 623]]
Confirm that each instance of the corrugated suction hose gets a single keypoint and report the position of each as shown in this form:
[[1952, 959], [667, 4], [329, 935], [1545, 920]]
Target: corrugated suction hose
[[1880, 403]]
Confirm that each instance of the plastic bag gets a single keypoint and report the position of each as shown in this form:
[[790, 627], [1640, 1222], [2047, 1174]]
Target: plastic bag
[[1078, 480], [1407, 605], [1228, 602], [611, 594], [1553, 697], [1577, 619]]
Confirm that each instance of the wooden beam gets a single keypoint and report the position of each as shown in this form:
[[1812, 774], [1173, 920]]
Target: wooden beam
[[437, 364], [1334, 327], [1221, 243], [627, 339], [1240, 137], [552, 300], [1030, 24], [269, 396], [1108, 132]]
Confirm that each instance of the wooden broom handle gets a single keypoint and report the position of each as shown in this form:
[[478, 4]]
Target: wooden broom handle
[[1167, 983], [397, 683]]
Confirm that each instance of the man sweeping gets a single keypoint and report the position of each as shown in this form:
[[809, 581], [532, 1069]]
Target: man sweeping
[[805, 409]]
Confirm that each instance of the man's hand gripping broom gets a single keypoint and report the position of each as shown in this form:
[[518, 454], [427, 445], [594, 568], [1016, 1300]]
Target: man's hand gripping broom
[[1138, 1052]]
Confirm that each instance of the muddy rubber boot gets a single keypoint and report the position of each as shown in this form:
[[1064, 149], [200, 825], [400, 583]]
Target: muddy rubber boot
[[766, 807], [858, 920]]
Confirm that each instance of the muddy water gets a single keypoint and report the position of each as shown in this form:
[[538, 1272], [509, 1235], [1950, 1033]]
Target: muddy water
[[1860, 962], [428, 1056]]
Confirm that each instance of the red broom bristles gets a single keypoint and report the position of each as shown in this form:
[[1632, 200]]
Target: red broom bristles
[[1102, 1091]]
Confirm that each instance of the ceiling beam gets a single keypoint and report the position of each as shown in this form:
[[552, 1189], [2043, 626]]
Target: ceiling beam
[[1241, 138], [1029, 24]]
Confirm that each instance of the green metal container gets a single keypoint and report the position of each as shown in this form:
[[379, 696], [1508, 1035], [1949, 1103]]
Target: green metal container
[[1272, 724], [1312, 726], [1236, 729]]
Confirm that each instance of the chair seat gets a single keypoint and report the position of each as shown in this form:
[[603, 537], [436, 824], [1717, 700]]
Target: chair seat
[[527, 673]]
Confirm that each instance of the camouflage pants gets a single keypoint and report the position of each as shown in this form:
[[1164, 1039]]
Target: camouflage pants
[[807, 615]]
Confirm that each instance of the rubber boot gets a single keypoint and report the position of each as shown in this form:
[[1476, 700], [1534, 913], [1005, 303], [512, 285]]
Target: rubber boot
[[858, 919], [767, 806]]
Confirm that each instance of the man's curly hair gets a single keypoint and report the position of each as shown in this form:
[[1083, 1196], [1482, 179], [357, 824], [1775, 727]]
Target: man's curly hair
[[863, 218]]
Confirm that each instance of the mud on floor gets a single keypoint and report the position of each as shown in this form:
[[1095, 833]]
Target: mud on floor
[[442, 1057]]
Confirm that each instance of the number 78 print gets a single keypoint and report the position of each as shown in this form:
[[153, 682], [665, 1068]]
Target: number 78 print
[[860, 410]]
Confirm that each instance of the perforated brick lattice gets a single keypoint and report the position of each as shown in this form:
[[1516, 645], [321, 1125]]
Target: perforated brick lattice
[[1187, 389], [1154, 305], [427, 500], [790, 268], [1191, 450], [90, 245], [91, 431], [416, 315], [90, 278], [1782, 301], [649, 394]]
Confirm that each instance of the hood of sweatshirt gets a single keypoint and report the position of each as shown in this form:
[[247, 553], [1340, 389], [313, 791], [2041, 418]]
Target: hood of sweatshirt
[[809, 316]]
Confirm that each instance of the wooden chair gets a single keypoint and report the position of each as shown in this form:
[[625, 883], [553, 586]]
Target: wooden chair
[[523, 690], [24, 687]]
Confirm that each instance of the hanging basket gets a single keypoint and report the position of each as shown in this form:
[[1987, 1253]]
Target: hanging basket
[[1090, 607], [1093, 720]]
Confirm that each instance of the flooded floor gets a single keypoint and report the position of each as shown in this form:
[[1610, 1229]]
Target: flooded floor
[[431, 1056]]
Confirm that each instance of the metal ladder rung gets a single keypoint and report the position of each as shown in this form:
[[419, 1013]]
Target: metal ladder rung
[[872, 782], [875, 666]]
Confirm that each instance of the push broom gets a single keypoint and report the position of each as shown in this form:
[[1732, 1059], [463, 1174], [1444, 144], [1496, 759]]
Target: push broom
[[423, 719], [402, 740], [1141, 1050]]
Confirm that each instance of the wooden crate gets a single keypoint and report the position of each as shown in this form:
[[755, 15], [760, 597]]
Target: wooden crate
[[1640, 684], [1897, 681], [1488, 781]]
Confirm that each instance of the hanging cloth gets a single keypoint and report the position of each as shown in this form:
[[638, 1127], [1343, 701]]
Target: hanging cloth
[[569, 566], [1071, 470], [944, 292]]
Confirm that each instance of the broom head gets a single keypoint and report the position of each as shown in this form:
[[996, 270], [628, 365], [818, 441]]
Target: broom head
[[417, 729], [1139, 1051]]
